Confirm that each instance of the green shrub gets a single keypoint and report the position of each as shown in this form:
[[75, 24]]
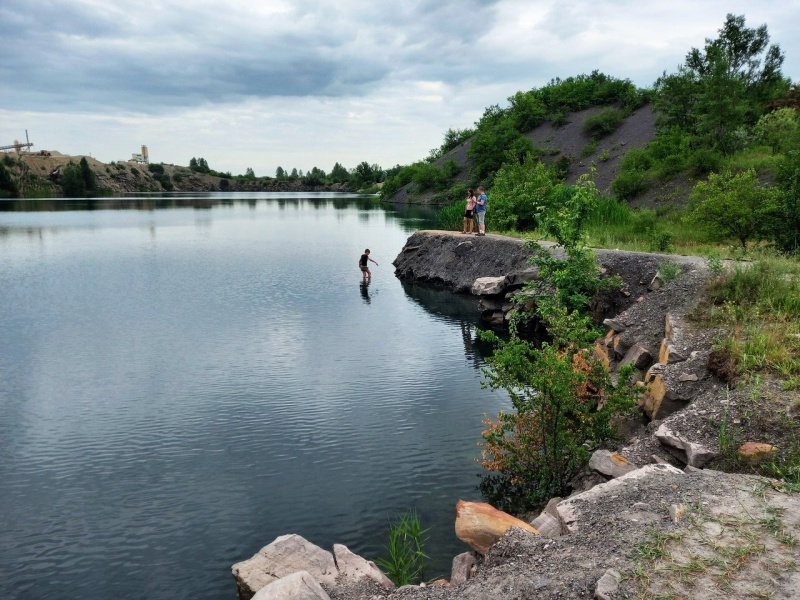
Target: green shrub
[[155, 168], [406, 560], [603, 123], [637, 159], [704, 161], [8, 187], [520, 192], [670, 166], [558, 119], [164, 180], [560, 167], [628, 185], [589, 148], [731, 205]]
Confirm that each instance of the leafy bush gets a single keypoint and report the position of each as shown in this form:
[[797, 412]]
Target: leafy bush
[[520, 192], [8, 160], [704, 161], [406, 560], [164, 180], [527, 111], [8, 187], [72, 181], [453, 138], [493, 146], [733, 205], [603, 123], [562, 394], [628, 185], [671, 166], [784, 226], [430, 177], [155, 168]]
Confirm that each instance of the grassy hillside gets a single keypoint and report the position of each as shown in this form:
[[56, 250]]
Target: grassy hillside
[[706, 153]]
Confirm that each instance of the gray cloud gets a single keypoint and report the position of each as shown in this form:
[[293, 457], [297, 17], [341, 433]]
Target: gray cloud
[[144, 57]]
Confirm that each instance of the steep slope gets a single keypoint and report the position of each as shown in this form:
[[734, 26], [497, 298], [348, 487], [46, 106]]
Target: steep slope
[[569, 142]]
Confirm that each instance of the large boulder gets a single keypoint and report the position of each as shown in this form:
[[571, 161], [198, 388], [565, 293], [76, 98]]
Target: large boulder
[[691, 453], [297, 586], [480, 525], [355, 568], [290, 554]]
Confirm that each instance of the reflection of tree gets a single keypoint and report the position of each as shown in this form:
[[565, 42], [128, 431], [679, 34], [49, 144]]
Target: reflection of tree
[[364, 287]]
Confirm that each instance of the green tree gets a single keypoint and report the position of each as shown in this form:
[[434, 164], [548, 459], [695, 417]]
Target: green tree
[[339, 174], [723, 87], [785, 224], [72, 181], [8, 187], [562, 394], [88, 176], [280, 173], [249, 173], [527, 111], [779, 129], [454, 137], [732, 205], [520, 191], [294, 174]]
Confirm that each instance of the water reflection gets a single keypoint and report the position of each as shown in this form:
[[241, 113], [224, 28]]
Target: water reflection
[[364, 287], [462, 309]]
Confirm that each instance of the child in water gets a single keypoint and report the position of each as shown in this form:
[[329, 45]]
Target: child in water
[[362, 263]]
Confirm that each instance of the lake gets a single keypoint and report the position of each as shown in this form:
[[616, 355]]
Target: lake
[[183, 379]]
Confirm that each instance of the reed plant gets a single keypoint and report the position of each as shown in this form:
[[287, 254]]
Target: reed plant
[[406, 560]]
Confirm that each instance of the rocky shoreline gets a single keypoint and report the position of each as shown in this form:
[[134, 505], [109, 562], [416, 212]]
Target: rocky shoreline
[[652, 486]]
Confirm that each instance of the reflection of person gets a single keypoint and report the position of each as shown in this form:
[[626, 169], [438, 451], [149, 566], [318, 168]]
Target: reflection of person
[[471, 200], [365, 291], [480, 211], [362, 263]]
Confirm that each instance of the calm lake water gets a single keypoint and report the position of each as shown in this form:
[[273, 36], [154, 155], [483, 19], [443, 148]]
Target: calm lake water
[[183, 380]]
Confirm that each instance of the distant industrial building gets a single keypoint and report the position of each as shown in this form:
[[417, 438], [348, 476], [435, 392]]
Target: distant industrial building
[[142, 158]]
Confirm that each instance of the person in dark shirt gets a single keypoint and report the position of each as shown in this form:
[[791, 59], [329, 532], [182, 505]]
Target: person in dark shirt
[[362, 263]]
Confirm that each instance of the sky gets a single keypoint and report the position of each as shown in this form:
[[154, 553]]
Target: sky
[[308, 83]]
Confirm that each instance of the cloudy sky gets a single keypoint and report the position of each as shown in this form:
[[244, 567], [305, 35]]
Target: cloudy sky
[[304, 83]]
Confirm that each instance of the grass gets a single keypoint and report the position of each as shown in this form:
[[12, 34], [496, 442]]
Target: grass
[[760, 304], [714, 550], [759, 158], [406, 560]]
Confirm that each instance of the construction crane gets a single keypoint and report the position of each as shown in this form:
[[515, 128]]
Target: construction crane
[[18, 146]]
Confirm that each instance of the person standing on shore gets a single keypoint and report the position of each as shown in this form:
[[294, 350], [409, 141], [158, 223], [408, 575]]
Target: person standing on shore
[[468, 213], [362, 263], [480, 211]]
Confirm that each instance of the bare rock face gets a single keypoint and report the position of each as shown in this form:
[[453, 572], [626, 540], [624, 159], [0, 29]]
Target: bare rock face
[[297, 586], [480, 525], [572, 511], [694, 455]]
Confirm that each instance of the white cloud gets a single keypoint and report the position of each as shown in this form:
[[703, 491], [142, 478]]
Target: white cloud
[[308, 83]]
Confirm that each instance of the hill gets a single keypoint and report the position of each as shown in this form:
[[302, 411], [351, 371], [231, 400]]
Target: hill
[[37, 175], [569, 144]]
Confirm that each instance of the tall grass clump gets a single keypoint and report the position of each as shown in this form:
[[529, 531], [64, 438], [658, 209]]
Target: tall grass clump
[[406, 560], [760, 303]]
